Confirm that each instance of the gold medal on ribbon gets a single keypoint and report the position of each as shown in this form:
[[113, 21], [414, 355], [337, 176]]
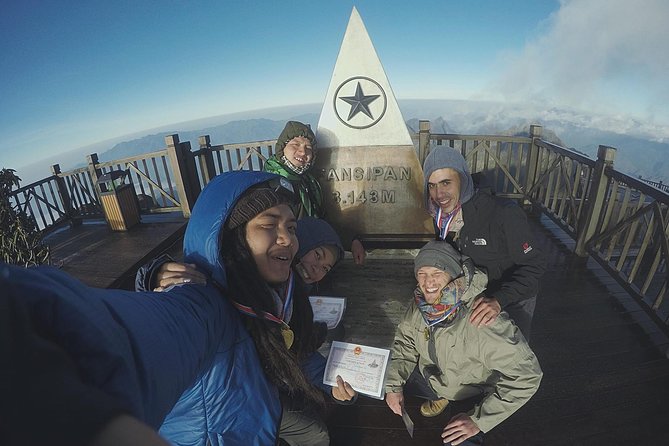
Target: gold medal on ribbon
[[288, 336]]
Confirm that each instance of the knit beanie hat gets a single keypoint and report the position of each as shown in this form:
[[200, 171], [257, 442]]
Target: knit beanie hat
[[255, 201], [293, 129], [440, 255], [445, 157], [313, 232]]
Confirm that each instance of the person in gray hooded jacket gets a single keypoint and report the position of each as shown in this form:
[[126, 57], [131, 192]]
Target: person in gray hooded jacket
[[440, 356], [490, 230]]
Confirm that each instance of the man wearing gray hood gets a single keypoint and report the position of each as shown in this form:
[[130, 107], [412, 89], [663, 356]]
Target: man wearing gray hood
[[490, 230]]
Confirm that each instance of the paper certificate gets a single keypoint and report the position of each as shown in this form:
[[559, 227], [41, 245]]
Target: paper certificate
[[363, 367], [408, 422], [328, 309]]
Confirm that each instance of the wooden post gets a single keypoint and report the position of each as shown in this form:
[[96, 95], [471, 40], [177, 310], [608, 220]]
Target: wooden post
[[596, 199], [193, 188], [533, 158], [206, 159], [93, 169], [185, 175], [423, 140], [64, 196]]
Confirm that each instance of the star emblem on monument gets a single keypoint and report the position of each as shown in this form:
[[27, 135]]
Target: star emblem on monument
[[359, 102]]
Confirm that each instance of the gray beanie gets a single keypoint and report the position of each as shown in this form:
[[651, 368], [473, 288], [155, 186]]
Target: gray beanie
[[440, 255], [442, 157]]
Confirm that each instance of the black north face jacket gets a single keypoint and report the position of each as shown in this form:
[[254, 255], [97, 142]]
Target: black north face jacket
[[497, 237]]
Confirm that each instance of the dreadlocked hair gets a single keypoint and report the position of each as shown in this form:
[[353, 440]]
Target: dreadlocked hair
[[279, 363]]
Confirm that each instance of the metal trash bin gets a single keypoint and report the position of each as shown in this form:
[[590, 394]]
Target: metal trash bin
[[119, 200]]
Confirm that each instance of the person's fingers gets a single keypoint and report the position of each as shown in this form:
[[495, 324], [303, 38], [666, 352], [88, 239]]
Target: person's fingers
[[174, 278], [397, 409], [491, 318], [459, 428], [484, 314], [174, 266], [165, 282], [350, 392], [339, 392], [395, 403], [452, 431], [175, 275], [477, 315], [450, 435], [188, 269], [392, 405], [458, 440], [344, 389]]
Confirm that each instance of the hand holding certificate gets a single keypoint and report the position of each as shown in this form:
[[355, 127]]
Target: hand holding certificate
[[328, 309], [362, 366]]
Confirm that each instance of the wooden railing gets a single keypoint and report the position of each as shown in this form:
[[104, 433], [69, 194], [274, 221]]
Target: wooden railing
[[622, 222], [152, 176], [212, 160], [631, 238], [658, 184], [41, 202]]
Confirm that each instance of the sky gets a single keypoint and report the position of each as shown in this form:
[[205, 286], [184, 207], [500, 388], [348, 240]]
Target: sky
[[78, 72]]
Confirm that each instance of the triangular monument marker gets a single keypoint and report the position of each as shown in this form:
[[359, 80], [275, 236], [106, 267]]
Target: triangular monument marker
[[369, 169]]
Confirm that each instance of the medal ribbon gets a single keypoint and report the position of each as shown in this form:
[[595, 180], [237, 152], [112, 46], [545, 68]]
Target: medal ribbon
[[287, 333], [443, 227]]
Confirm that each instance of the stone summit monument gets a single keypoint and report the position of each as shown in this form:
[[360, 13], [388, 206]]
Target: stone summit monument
[[367, 164]]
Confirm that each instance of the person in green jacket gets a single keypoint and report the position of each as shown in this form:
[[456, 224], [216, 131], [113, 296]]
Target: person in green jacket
[[294, 155], [439, 356]]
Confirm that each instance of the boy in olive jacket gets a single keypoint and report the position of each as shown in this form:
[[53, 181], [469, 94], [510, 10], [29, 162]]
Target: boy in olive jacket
[[442, 357]]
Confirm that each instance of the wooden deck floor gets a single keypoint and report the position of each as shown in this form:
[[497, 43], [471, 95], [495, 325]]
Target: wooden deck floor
[[606, 374], [102, 258]]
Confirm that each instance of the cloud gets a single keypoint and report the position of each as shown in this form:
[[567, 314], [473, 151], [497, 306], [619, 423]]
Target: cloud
[[607, 56]]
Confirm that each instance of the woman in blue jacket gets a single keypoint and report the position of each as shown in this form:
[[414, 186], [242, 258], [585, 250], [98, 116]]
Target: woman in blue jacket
[[254, 240], [145, 349]]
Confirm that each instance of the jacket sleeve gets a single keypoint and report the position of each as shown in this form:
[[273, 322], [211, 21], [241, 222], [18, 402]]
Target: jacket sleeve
[[505, 352], [41, 387], [143, 349], [521, 281], [316, 196], [404, 356], [145, 277]]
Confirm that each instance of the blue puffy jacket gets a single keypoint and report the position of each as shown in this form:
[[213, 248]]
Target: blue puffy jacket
[[143, 348], [147, 348], [232, 402]]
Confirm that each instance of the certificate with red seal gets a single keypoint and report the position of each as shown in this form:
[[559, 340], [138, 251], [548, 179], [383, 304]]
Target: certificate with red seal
[[363, 367]]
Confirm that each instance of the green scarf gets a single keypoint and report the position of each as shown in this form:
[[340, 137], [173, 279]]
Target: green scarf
[[311, 196]]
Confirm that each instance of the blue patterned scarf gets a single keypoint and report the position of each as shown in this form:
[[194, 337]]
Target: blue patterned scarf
[[446, 307]]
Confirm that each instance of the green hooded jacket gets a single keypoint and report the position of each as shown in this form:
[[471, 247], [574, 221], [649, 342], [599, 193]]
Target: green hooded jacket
[[311, 195]]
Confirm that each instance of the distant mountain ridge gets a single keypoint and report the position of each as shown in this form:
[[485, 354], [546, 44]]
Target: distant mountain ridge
[[640, 151]]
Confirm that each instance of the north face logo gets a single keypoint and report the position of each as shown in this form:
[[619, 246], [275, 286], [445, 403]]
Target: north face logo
[[526, 248]]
